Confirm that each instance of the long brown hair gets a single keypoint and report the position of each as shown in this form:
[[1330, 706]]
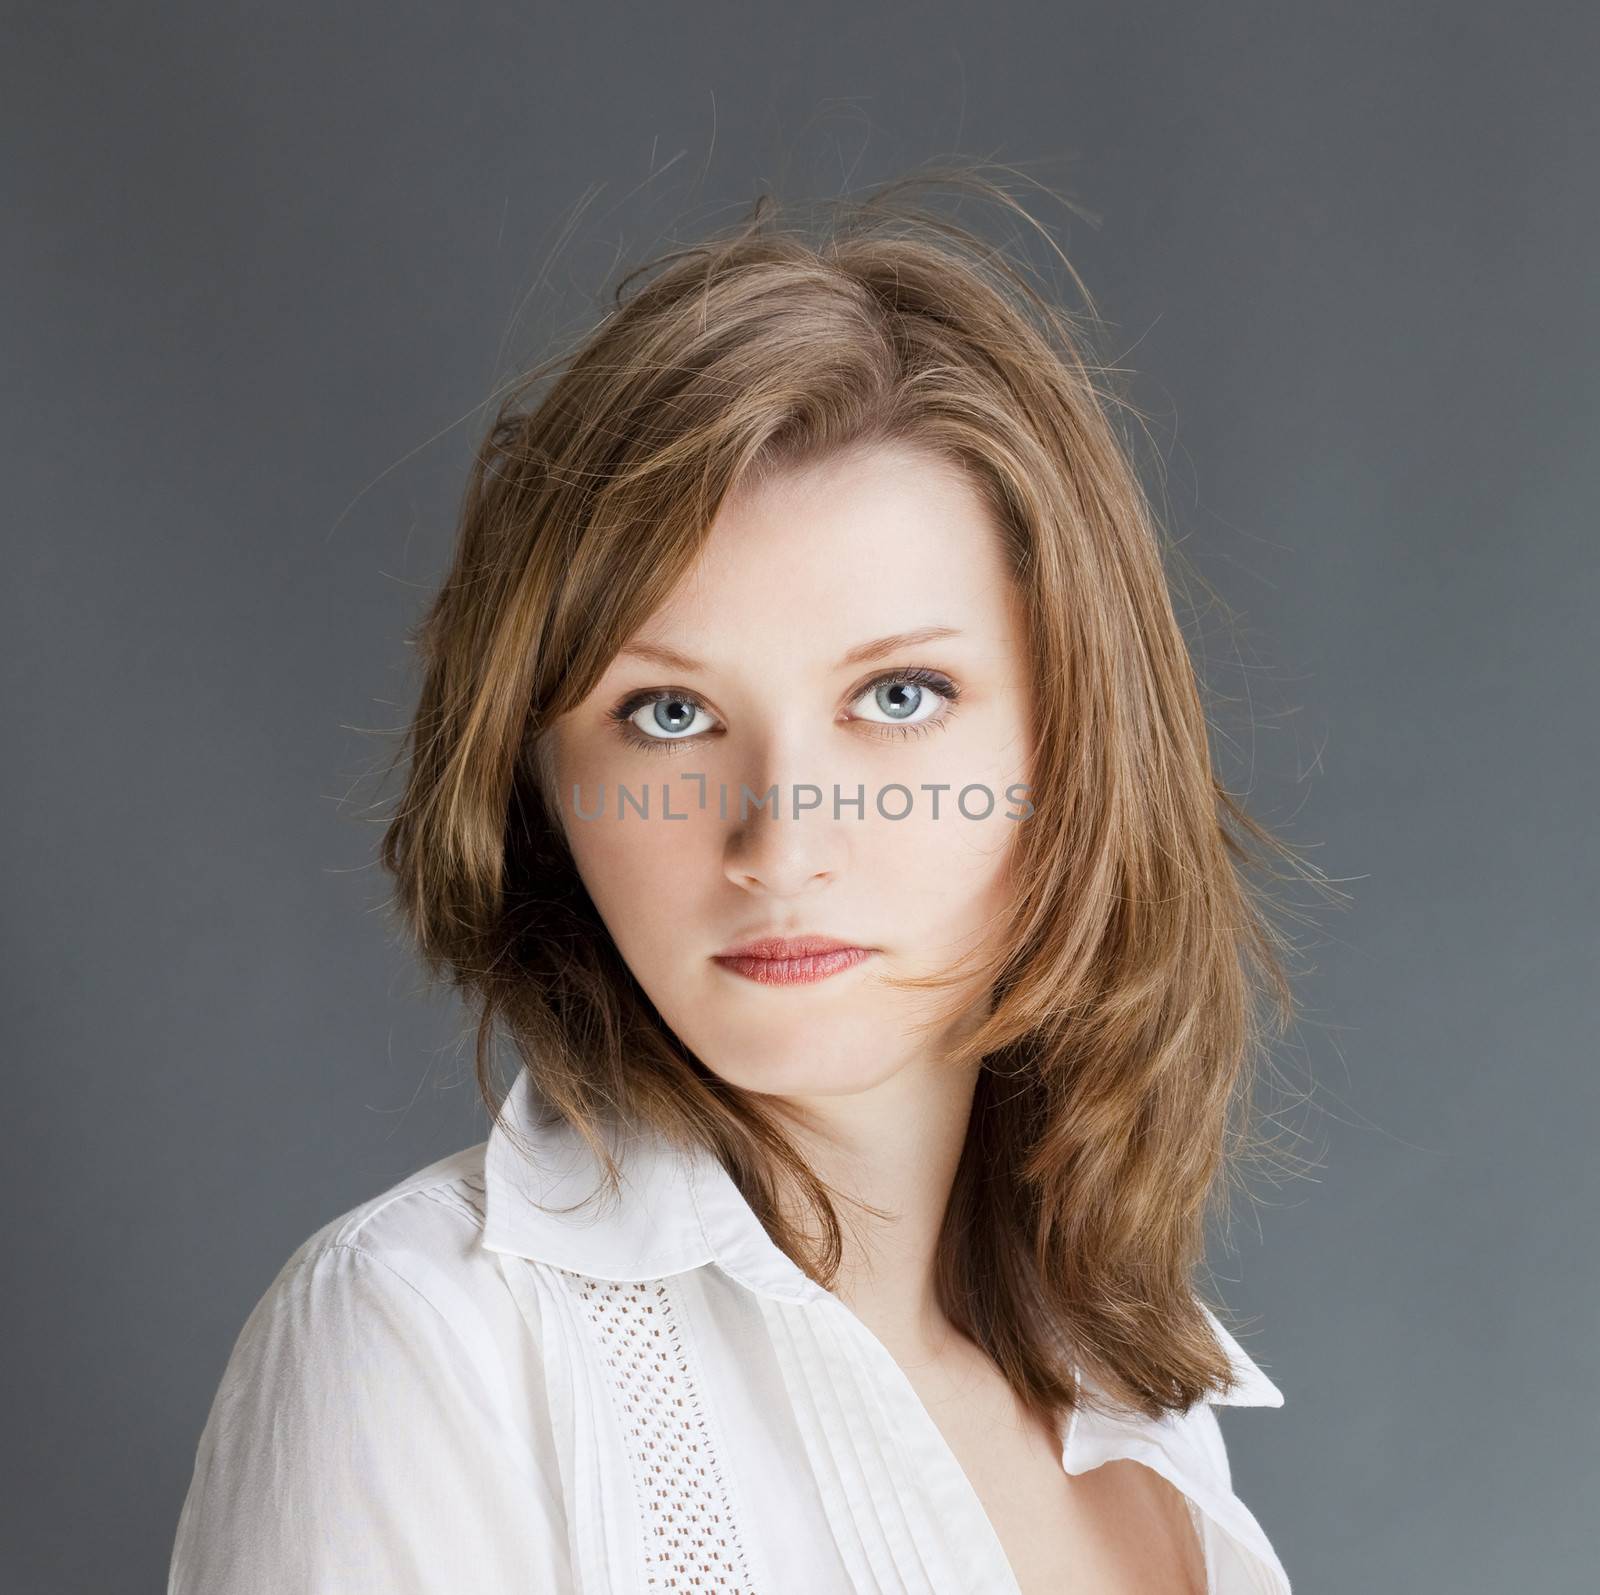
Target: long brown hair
[[1140, 974]]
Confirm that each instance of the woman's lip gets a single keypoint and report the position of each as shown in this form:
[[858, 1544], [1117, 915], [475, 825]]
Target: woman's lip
[[785, 947], [798, 971]]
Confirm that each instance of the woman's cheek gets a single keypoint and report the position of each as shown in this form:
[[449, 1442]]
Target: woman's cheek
[[644, 876]]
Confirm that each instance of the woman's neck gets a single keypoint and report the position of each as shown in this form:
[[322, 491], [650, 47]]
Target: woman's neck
[[896, 1147]]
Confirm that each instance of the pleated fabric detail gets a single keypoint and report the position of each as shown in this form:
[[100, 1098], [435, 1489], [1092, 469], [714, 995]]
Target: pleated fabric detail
[[604, 1526], [906, 1519]]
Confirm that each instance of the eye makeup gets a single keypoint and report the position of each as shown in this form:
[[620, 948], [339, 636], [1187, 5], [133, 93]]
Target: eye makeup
[[935, 681]]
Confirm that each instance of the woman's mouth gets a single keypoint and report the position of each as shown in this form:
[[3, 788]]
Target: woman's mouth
[[792, 960]]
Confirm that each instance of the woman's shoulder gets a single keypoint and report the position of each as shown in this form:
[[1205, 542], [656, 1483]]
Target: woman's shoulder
[[429, 1221], [373, 1428], [401, 1281]]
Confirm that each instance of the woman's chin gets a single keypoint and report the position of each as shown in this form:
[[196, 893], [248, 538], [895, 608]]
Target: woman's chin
[[788, 1064]]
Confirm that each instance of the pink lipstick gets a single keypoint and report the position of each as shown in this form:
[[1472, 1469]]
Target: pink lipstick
[[791, 960]]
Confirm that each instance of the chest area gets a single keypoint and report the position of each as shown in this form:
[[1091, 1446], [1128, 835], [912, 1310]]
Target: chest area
[[710, 1443], [1120, 1529]]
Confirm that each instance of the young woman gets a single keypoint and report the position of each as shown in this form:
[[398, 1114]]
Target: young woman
[[811, 782]]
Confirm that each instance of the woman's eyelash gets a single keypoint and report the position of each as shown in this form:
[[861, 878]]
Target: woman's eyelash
[[935, 680]]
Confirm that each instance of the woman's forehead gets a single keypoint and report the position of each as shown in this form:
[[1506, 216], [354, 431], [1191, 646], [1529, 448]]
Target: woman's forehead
[[864, 561]]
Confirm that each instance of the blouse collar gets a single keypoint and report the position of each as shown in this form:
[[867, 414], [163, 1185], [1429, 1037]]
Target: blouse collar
[[679, 1210]]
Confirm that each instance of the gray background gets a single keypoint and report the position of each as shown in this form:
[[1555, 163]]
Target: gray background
[[264, 261]]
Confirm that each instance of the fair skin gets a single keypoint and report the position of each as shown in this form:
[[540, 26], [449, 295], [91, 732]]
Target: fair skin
[[749, 654]]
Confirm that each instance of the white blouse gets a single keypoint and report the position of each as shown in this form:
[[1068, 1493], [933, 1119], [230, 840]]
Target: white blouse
[[448, 1391]]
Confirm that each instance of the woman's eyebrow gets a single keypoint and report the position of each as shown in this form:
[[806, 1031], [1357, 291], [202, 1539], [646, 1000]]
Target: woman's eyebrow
[[895, 642], [671, 659]]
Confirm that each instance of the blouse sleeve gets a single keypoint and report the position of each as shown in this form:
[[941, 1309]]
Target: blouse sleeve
[[354, 1446]]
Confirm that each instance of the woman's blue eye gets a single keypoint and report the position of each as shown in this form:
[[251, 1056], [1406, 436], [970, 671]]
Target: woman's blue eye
[[905, 701], [902, 700], [667, 718]]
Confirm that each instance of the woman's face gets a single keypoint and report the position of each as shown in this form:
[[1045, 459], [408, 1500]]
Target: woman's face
[[766, 669]]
